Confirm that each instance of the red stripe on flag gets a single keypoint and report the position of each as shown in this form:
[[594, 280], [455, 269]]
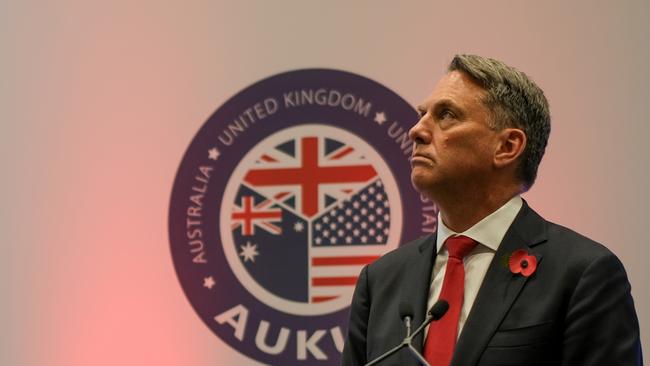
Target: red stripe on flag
[[342, 153], [268, 159], [334, 281], [323, 298], [343, 261]]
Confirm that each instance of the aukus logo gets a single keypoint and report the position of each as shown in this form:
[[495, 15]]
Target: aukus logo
[[285, 193]]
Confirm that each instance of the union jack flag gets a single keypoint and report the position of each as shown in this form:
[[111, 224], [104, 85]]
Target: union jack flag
[[310, 173], [248, 216]]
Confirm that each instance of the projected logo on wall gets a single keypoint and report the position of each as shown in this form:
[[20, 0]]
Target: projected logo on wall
[[285, 193]]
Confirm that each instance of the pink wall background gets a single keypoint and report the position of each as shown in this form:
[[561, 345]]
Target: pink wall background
[[99, 100]]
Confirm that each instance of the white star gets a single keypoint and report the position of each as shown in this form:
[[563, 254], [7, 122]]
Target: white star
[[380, 117], [333, 240], [355, 232], [298, 227], [379, 210], [379, 238], [317, 240], [364, 239], [355, 218], [341, 233], [371, 231], [213, 153], [348, 239], [248, 252], [340, 219], [208, 282], [364, 225], [371, 204], [364, 197], [348, 212], [317, 226], [371, 190], [326, 219], [364, 211], [348, 225], [371, 218], [326, 233]]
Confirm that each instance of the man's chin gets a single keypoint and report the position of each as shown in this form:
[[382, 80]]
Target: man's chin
[[421, 182]]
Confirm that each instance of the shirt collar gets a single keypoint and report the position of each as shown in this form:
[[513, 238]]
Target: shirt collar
[[490, 230]]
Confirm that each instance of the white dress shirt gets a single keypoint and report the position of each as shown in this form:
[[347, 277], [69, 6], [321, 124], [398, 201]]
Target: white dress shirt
[[488, 233]]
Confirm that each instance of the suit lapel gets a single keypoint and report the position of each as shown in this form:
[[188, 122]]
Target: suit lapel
[[499, 288], [417, 281]]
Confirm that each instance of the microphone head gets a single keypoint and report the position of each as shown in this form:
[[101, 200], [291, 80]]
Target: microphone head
[[439, 309], [405, 309]]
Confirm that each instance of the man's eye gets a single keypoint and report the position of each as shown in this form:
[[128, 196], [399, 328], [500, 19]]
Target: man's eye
[[445, 113]]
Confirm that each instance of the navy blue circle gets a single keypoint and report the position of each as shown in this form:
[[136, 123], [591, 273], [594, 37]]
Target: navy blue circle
[[228, 292]]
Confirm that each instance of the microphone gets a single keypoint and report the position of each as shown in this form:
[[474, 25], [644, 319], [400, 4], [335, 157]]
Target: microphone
[[406, 314], [405, 310], [436, 312], [439, 309]]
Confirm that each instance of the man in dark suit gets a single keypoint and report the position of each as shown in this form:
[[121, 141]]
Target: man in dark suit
[[521, 290]]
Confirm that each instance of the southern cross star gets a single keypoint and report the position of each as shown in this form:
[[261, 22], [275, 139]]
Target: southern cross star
[[248, 252], [298, 227]]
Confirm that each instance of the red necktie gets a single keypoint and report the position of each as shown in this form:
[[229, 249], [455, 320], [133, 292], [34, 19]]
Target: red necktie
[[441, 339]]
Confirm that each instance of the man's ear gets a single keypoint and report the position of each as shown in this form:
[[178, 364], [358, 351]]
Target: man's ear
[[511, 144]]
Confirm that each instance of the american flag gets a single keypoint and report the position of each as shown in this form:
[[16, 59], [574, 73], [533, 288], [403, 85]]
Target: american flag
[[345, 238]]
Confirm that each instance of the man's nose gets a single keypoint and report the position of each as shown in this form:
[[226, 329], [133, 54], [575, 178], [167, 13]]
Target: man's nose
[[419, 134]]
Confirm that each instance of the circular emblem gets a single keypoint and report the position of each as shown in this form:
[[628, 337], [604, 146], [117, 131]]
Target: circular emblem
[[285, 193]]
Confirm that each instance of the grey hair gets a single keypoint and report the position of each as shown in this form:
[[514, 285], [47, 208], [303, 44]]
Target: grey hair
[[514, 101]]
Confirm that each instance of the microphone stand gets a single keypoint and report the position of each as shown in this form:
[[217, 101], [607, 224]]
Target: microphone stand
[[407, 342]]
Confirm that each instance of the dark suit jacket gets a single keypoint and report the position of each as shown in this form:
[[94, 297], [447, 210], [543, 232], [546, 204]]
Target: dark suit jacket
[[576, 309]]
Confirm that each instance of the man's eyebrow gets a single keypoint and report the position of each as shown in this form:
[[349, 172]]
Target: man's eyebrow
[[437, 106], [445, 103]]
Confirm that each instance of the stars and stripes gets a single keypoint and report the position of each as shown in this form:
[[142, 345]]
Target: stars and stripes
[[350, 235], [334, 271], [362, 219]]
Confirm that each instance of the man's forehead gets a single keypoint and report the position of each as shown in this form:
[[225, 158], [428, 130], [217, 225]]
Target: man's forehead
[[454, 87]]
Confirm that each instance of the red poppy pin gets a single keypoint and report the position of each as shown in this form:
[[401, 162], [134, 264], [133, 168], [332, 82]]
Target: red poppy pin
[[522, 262]]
